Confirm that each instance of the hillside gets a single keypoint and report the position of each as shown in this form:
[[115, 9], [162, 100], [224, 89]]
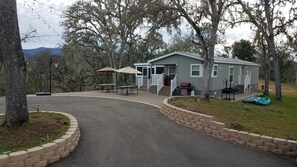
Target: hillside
[[33, 52]]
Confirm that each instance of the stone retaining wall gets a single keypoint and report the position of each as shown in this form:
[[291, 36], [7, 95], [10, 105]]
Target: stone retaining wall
[[207, 124], [47, 153]]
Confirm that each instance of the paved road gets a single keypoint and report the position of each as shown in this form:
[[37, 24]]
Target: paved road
[[118, 133]]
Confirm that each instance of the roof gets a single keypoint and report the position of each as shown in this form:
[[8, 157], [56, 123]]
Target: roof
[[221, 60], [107, 69], [128, 70], [141, 64]]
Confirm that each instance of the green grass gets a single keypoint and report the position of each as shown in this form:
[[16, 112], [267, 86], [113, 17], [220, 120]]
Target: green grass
[[278, 119], [40, 129]]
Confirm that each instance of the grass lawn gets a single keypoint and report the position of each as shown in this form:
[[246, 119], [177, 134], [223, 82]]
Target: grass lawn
[[41, 128], [278, 119]]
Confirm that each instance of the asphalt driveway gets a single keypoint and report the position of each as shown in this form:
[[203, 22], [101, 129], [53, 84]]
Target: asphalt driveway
[[127, 134]]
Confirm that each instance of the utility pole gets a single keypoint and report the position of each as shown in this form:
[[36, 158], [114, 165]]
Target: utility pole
[[50, 76]]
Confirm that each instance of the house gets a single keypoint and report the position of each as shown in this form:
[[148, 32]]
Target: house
[[167, 72]]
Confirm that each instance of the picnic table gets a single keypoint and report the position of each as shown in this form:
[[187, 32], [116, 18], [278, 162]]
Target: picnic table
[[126, 90], [106, 87]]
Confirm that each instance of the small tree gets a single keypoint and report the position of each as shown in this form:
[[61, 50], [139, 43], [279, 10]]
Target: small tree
[[14, 65]]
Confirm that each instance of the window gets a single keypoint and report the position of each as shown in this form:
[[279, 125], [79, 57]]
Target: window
[[231, 74], [215, 70], [196, 70], [159, 70], [144, 72], [139, 69]]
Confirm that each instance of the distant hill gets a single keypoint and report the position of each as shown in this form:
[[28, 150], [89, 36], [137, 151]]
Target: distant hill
[[33, 52]]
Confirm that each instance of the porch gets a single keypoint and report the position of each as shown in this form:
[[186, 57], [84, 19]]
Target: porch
[[158, 79]]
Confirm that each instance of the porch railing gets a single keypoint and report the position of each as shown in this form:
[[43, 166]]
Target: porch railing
[[149, 83], [247, 83], [160, 82], [173, 84], [156, 77], [139, 81]]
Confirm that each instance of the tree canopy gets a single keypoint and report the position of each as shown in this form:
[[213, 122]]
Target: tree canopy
[[244, 50]]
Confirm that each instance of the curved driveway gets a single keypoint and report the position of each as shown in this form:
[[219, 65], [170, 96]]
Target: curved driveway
[[118, 133]]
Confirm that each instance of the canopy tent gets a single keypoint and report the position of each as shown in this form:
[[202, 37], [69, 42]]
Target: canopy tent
[[111, 71], [107, 70], [128, 70]]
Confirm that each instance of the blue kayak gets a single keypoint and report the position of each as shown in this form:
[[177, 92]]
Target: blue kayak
[[263, 101], [252, 99]]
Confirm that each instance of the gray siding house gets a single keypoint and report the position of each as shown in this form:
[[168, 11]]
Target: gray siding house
[[170, 70]]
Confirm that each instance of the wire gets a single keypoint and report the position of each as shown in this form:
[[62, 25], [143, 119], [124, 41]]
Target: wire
[[50, 7], [41, 18]]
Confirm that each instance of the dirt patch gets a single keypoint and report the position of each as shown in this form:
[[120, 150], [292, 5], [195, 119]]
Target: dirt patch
[[41, 128], [287, 89]]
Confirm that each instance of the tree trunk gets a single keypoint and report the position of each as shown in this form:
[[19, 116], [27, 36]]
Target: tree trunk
[[266, 65], [14, 65], [266, 78], [208, 62], [271, 49], [296, 78], [266, 71], [276, 69]]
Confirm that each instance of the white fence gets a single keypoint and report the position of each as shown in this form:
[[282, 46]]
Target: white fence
[[156, 77], [247, 83], [160, 83], [173, 84], [139, 81]]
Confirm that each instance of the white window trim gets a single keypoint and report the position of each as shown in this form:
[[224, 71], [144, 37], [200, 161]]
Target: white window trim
[[232, 74], [212, 72], [200, 71]]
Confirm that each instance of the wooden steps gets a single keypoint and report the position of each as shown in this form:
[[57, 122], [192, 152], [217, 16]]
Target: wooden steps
[[165, 91], [143, 88]]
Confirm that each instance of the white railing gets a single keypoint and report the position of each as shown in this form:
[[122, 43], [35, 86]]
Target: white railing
[[139, 81], [149, 83], [247, 83], [173, 84], [160, 83], [156, 77]]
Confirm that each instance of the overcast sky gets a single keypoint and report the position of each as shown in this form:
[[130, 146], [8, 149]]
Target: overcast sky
[[45, 17]]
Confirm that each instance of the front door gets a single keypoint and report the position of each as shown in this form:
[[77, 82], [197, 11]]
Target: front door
[[171, 71]]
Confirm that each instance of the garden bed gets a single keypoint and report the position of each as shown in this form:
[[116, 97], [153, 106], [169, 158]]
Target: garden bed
[[42, 128]]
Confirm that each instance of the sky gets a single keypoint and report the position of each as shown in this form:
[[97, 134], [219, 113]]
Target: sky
[[45, 17]]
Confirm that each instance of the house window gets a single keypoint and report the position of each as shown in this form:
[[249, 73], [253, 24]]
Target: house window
[[231, 74], [215, 70], [196, 70], [139, 69], [159, 70], [144, 72]]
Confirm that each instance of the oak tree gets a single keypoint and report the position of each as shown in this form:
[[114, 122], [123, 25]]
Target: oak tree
[[270, 19], [14, 65]]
